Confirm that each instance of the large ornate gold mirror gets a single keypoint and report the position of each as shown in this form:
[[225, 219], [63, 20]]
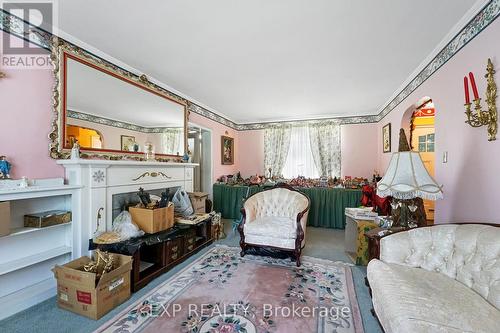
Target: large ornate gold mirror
[[111, 112]]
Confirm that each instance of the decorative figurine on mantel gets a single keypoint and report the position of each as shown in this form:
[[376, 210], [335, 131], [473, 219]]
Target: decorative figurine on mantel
[[75, 151], [5, 167]]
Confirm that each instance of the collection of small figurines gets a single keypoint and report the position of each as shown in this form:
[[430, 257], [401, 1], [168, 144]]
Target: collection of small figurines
[[5, 167], [301, 181]]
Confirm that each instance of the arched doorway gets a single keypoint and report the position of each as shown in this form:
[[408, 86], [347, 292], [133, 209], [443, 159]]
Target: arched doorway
[[422, 139]]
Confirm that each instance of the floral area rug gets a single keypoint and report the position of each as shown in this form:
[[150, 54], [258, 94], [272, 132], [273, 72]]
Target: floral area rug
[[223, 293]]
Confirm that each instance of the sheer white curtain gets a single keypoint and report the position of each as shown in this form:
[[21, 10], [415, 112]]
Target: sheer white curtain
[[171, 141], [300, 161]]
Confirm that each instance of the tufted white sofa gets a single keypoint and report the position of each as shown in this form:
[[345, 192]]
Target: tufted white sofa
[[444, 278], [275, 218]]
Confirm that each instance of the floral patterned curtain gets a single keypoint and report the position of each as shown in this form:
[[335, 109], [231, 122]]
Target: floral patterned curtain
[[276, 146], [325, 148]]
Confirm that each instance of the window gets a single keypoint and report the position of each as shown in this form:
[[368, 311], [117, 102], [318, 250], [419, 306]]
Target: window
[[299, 161], [426, 143]]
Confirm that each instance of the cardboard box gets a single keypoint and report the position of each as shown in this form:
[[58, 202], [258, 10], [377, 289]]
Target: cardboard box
[[198, 200], [77, 290], [153, 220], [4, 218], [46, 219]]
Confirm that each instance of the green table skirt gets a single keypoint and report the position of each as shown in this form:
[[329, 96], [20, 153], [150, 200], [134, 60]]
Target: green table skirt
[[327, 204]]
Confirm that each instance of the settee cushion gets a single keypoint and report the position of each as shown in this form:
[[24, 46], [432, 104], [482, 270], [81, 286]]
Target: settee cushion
[[409, 299], [468, 253]]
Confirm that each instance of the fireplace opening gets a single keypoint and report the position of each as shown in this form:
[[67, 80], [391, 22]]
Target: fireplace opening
[[122, 201]]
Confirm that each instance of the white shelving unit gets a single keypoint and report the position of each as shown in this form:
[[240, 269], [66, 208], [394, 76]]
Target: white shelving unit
[[27, 255]]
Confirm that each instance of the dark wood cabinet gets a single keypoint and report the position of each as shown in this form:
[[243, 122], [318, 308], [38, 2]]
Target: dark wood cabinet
[[155, 254]]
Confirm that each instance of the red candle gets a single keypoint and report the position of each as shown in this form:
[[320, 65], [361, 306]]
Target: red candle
[[466, 88], [473, 84]]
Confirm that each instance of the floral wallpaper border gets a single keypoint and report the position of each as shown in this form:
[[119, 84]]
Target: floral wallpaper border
[[115, 123], [14, 25]]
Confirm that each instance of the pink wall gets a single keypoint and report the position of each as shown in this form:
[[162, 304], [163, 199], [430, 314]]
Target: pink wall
[[217, 131], [358, 146], [359, 150], [471, 176], [25, 118], [251, 152]]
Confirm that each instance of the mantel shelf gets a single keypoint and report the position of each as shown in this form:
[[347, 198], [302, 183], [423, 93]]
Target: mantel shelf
[[82, 161]]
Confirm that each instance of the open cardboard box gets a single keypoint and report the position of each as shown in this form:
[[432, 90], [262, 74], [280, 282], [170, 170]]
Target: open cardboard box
[[153, 220], [77, 290]]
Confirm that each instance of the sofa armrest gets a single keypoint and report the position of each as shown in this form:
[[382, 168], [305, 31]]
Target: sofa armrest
[[250, 213], [395, 249]]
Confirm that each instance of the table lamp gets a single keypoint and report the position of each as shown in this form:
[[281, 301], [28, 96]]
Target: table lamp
[[406, 180]]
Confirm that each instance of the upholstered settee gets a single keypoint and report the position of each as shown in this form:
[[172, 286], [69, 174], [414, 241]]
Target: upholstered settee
[[275, 219], [444, 278]]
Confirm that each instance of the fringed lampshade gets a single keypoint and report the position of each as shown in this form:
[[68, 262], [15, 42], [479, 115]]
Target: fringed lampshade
[[406, 176]]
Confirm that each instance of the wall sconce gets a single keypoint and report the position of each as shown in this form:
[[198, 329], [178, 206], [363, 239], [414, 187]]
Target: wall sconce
[[483, 118]]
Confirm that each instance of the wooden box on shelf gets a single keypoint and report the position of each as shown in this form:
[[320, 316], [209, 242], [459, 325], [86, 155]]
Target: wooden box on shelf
[[198, 200], [4, 218], [46, 219], [153, 220]]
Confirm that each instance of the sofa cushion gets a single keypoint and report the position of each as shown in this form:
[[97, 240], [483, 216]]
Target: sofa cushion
[[469, 253], [270, 226], [408, 299]]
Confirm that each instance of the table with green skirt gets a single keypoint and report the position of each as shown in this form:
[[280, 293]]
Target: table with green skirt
[[327, 204]]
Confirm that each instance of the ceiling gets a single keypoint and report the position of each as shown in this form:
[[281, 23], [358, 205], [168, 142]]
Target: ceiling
[[261, 60], [94, 92]]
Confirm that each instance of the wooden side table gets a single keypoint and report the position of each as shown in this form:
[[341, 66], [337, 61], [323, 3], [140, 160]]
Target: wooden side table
[[374, 238]]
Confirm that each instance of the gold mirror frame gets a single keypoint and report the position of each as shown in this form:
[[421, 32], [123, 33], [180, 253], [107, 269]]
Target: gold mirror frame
[[61, 50]]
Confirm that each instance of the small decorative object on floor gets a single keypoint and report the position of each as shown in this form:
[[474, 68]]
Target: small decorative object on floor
[[5, 167], [218, 227], [483, 118], [75, 151]]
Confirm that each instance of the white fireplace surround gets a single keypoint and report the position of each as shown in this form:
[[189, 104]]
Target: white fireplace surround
[[101, 179]]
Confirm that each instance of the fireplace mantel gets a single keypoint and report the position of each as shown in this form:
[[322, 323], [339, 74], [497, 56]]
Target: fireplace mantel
[[101, 179]]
